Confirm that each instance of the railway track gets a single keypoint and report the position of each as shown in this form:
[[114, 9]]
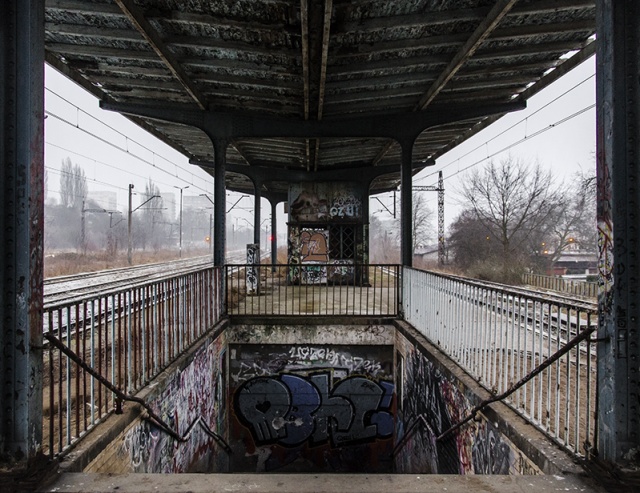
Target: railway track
[[76, 287], [66, 289]]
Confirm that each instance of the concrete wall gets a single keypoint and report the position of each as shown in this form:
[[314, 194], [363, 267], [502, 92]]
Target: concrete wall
[[190, 393], [428, 392], [324, 405]]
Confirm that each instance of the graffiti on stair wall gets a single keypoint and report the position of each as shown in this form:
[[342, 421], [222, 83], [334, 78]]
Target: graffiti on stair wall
[[290, 410], [439, 401], [194, 394], [312, 408]]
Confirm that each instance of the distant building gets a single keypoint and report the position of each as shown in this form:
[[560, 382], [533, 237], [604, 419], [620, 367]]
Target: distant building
[[426, 252], [170, 204], [195, 202], [575, 262], [105, 200]]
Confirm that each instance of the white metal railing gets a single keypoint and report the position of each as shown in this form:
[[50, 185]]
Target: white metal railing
[[499, 335], [566, 286]]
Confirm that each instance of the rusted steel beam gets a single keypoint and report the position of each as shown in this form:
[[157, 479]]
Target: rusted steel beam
[[21, 228]]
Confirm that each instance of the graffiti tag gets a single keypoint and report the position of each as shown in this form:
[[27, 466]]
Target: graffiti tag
[[290, 410], [334, 358]]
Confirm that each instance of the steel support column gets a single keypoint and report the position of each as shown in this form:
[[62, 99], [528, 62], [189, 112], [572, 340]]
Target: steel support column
[[406, 203], [21, 196], [618, 168], [257, 199], [364, 259], [274, 234], [219, 201]]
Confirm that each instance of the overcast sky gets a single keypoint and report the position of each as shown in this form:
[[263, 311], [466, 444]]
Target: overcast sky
[[547, 132]]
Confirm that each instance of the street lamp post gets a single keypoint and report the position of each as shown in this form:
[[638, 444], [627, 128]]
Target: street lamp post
[[266, 232], [181, 189]]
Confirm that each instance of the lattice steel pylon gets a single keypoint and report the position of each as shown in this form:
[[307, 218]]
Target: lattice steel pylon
[[440, 189]]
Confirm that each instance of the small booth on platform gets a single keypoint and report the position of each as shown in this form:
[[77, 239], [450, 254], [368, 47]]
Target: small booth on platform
[[327, 232]]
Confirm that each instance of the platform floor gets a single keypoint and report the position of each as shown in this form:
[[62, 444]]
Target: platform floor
[[315, 483]]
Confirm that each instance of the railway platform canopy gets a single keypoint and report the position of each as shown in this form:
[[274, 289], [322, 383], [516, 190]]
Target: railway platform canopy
[[321, 87], [320, 91]]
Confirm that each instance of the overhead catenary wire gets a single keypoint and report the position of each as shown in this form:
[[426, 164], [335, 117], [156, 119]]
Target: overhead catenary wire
[[110, 127], [191, 183], [102, 163], [516, 124], [513, 144], [94, 180]]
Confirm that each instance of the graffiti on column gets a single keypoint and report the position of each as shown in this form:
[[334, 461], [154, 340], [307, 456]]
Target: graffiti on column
[[252, 274], [315, 208], [313, 252], [308, 205], [605, 232], [314, 245], [290, 409], [477, 448], [320, 202], [345, 205]]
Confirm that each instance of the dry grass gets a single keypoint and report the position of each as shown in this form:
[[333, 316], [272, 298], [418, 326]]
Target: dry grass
[[67, 263]]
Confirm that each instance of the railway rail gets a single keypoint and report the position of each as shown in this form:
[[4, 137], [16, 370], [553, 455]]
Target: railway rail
[[66, 289], [77, 287]]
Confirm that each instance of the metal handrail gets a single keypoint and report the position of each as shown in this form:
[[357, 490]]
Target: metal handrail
[[128, 336], [313, 289], [499, 335]]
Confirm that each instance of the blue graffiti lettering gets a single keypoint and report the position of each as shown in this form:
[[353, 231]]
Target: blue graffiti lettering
[[290, 409]]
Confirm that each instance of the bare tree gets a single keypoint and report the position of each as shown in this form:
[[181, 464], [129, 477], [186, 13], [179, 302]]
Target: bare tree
[[383, 241], [575, 222], [421, 221], [73, 184], [472, 246], [385, 236], [512, 200]]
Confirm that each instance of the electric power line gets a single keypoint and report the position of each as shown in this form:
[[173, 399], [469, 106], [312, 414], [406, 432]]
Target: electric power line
[[518, 142], [102, 163], [126, 137], [514, 125]]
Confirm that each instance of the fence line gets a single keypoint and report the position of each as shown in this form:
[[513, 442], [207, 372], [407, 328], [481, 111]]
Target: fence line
[[566, 286], [128, 336], [499, 335], [312, 289]]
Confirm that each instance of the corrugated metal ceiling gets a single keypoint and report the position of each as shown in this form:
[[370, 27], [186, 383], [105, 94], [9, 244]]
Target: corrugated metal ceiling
[[317, 60]]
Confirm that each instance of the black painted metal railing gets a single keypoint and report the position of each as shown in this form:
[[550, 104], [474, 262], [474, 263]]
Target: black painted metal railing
[[338, 289]]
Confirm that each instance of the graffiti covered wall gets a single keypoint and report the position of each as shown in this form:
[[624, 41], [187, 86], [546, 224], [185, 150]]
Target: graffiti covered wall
[[438, 400], [312, 202], [311, 408], [194, 396], [326, 226]]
